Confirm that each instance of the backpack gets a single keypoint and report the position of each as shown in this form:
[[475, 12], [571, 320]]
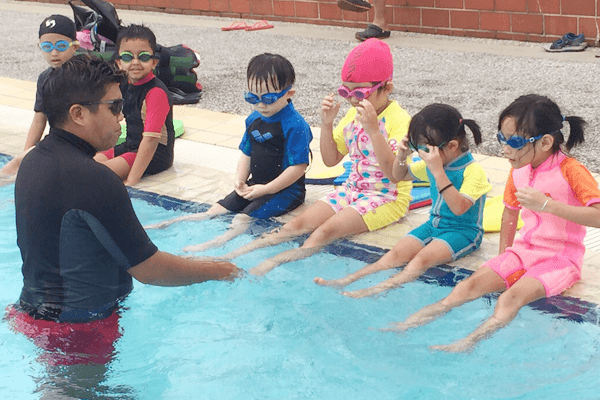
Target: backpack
[[176, 64]]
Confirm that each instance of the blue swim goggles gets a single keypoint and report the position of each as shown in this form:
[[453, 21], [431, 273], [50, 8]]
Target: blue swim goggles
[[517, 142], [61, 45], [267, 98]]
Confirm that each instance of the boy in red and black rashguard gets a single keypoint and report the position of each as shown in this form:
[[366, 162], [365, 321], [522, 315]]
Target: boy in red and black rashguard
[[148, 111]]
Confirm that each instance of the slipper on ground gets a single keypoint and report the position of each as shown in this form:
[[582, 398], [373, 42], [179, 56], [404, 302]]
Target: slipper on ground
[[354, 5], [235, 26], [260, 25], [372, 31]]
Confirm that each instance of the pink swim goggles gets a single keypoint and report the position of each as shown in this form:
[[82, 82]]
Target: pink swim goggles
[[360, 93]]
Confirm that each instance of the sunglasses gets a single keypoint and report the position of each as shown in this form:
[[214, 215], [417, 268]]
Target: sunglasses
[[116, 106], [517, 142], [61, 45], [127, 57], [267, 98], [424, 147], [360, 93]]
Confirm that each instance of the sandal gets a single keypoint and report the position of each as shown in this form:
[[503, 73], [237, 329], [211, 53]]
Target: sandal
[[354, 5], [372, 31], [569, 42], [235, 26], [259, 25]]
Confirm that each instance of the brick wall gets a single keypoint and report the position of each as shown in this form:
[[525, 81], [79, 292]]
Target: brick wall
[[524, 20]]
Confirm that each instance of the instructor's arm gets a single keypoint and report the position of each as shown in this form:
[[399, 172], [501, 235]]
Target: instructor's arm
[[164, 269]]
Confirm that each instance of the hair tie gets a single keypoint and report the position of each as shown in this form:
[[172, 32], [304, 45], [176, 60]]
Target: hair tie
[[564, 118], [460, 121]]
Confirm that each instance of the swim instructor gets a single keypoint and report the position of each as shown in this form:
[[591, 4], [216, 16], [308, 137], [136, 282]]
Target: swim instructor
[[79, 237]]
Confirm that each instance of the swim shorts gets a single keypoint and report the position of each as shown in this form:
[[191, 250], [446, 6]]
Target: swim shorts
[[460, 243], [376, 209], [556, 273], [68, 343], [272, 205]]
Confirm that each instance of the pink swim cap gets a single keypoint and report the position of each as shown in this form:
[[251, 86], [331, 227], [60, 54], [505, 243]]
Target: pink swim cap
[[370, 61]]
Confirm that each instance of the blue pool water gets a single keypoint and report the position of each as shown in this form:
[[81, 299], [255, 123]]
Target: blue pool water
[[283, 337]]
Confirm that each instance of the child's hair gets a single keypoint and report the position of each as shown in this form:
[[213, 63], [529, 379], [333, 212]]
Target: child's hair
[[270, 68], [439, 123], [538, 115], [133, 32], [82, 79]]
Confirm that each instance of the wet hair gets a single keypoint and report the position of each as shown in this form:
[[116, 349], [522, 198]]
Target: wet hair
[[140, 32], [84, 78], [536, 115], [439, 123], [270, 68]]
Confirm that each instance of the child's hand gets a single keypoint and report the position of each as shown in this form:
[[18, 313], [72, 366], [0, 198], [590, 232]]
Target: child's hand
[[531, 198], [256, 191], [403, 150], [241, 188], [367, 116], [329, 109], [433, 160]]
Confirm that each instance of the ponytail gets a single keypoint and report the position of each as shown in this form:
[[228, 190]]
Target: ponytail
[[473, 126], [577, 126]]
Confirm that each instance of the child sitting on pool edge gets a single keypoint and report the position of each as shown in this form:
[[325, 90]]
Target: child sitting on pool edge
[[370, 133], [458, 190], [558, 197], [58, 43], [148, 110], [269, 180]]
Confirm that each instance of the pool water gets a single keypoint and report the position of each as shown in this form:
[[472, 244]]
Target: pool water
[[283, 337]]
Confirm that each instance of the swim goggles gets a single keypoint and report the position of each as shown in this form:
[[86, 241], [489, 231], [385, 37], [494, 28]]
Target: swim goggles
[[424, 147], [127, 57], [116, 105], [267, 98], [517, 142], [360, 93], [61, 45]]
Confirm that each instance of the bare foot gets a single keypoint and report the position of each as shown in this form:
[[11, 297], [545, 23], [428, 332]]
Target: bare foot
[[359, 294], [460, 346], [333, 282], [264, 267], [398, 327]]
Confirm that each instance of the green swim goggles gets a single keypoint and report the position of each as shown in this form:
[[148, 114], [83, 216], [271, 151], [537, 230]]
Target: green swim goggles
[[144, 56], [424, 147]]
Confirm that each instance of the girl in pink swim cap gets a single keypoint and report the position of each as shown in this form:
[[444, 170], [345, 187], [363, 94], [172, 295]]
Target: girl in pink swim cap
[[557, 198], [369, 134]]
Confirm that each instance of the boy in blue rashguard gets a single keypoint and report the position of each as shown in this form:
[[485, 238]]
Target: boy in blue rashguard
[[269, 180]]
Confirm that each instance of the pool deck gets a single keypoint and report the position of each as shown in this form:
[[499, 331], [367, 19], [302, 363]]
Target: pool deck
[[206, 155]]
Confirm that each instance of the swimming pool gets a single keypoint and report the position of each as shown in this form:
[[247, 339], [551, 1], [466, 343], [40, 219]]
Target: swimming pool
[[283, 337]]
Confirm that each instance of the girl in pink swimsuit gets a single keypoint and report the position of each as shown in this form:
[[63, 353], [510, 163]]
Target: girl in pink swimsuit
[[558, 198]]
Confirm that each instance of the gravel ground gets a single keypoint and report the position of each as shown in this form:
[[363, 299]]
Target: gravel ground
[[478, 85]]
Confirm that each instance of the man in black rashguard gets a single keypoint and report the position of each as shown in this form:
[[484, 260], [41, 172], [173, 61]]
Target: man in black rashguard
[[80, 240]]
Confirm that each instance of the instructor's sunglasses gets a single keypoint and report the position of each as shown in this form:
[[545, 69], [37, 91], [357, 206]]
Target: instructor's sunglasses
[[61, 45], [115, 107], [127, 57], [267, 98], [518, 142]]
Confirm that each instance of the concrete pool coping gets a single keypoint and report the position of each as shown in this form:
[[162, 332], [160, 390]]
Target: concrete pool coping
[[207, 151]]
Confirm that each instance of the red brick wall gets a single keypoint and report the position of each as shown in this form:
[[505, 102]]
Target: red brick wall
[[525, 20]]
